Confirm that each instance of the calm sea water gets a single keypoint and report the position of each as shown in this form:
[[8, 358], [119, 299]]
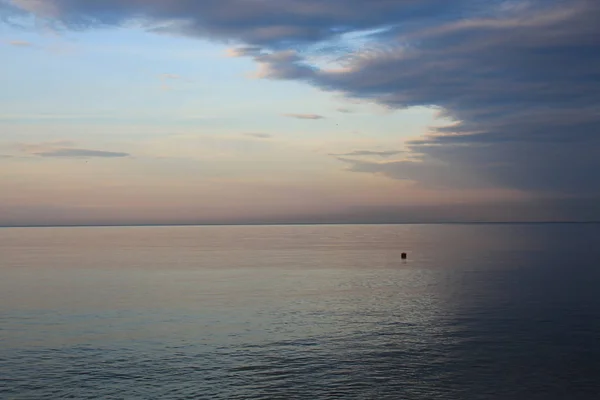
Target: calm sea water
[[301, 312]]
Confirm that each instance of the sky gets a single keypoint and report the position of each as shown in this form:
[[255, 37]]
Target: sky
[[298, 111]]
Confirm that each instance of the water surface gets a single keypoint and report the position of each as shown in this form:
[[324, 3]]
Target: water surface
[[301, 312]]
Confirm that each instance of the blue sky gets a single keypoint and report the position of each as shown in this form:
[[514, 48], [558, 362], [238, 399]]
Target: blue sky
[[295, 112]]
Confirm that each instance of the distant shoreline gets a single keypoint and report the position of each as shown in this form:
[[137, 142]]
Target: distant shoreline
[[304, 224]]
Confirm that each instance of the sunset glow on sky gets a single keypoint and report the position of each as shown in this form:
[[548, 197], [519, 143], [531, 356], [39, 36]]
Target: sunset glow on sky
[[249, 111]]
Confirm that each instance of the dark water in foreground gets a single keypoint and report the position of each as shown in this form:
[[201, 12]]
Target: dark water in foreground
[[304, 312]]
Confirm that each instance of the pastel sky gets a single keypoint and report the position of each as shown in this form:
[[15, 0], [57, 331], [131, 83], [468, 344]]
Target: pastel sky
[[261, 111]]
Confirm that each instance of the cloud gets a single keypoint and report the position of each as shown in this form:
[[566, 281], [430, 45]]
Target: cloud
[[169, 80], [345, 110], [262, 23], [244, 51], [81, 153], [433, 174], [287, 64], [305, 116], [519, 78], [259, 135], [170, 77], [43, 146], [65, 148], [522, 85], [505, 210], [361, 153], [9, 12], [20, 43]]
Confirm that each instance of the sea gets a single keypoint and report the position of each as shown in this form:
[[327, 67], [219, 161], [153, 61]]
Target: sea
[[476, 311]]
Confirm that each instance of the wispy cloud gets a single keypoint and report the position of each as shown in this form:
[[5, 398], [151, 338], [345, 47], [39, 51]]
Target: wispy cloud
[[361, 153], [243, 51], [170, 77], [120, 115], [345, 110], [35, 116], [259, 135], [20, 43], [430, 174], [169, 81], [32, 148], [66, 149], [304, 116], [81, 153]]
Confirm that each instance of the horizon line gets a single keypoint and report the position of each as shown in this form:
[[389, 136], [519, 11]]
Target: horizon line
[[296, 224]]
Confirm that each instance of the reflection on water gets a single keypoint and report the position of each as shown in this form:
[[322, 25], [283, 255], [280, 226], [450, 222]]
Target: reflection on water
[[476, 312]]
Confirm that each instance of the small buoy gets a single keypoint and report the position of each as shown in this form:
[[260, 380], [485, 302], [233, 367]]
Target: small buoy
[[404, 256]]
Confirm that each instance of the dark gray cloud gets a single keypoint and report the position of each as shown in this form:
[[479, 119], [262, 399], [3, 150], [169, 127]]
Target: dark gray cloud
[[304, 116], [361, 153], [520, 78], [286, 64], [81, 153], [523, 88], [9, 10], [264, 23]]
